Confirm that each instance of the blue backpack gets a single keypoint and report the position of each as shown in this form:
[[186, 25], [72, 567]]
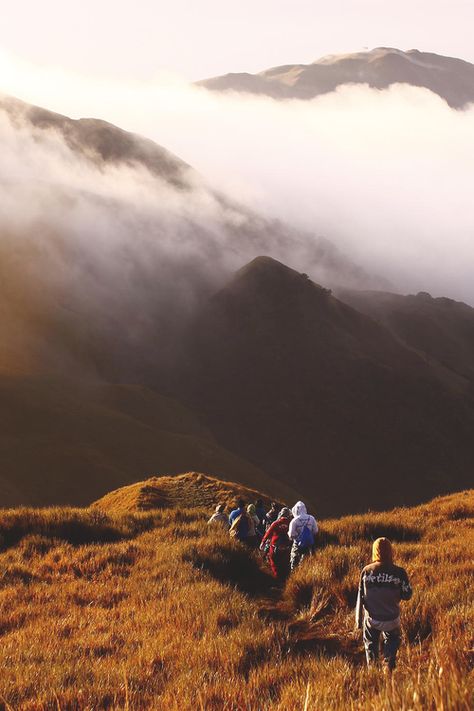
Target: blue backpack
[[306, 538]]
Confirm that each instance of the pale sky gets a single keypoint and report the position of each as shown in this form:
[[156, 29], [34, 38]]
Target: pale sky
[[121, 39]]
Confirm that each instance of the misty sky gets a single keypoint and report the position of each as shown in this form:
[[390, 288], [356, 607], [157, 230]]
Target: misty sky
[[118, 38], [387, 176]]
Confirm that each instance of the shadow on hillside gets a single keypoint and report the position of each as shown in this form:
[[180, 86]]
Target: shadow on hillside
[[233, 564], [76, 527], [307, 638]]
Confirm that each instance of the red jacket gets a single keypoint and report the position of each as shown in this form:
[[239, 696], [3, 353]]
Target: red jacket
[[277, 529]]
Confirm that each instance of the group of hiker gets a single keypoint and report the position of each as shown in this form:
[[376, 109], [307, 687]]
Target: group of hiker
[[285, 537]]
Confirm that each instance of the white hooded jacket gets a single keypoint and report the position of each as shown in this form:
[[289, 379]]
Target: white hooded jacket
[[301, 518]]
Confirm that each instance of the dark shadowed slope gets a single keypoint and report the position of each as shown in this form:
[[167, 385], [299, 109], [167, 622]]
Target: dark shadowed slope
[[70, 443], [452, 79], [323, 397], [289, 379], [440, 329], [94, 288]]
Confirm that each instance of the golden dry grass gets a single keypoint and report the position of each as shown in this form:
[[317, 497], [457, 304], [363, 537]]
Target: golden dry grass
[[190, 490], [170, 615]]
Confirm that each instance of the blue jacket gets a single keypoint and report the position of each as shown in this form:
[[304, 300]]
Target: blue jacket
[[243, 526], [234, 514]]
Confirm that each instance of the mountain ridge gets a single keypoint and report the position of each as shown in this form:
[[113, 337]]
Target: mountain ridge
[[322, 396], [450, 78]]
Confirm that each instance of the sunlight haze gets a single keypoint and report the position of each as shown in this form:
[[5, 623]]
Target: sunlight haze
[[138, 39]]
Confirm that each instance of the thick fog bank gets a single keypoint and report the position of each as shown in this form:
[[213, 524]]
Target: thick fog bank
[[386, 175]]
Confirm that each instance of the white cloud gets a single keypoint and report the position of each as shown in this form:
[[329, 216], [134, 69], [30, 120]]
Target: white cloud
[[386, 175]]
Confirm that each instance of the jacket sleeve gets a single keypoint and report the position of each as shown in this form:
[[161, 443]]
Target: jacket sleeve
[[359, 611], [406, 590], [315, 526]]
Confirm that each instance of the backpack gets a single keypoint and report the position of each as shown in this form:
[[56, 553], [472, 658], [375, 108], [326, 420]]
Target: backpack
[[240, 527], [306, 538]]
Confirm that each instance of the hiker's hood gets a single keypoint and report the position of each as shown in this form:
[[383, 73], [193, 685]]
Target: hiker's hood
[[382, 551], [299, 509], [251, 509]]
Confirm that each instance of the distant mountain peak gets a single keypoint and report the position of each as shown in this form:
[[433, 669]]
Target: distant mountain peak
[[266, 277], [450, 78]]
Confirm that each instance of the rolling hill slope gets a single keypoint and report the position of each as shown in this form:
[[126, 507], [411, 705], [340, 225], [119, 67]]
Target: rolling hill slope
[[191, 490], [73, 442]]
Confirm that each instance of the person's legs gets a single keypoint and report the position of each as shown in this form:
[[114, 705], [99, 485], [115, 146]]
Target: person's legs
[[391, 643], [282, 565], [298, 554], [371, 642], [272, 559], [295, 556]]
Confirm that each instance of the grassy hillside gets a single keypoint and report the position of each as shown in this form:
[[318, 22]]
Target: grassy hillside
[[152, 610], [183, 491]]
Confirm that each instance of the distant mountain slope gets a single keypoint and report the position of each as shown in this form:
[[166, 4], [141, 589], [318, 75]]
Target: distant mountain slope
[[452, 79], [440, 329], [182, 492], [302, 393], [102, 142], [323, 397], [62, 442], [97, 289], [97, 238]]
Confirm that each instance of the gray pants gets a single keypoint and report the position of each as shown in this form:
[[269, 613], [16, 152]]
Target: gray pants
[[391, 643], [297, 554]]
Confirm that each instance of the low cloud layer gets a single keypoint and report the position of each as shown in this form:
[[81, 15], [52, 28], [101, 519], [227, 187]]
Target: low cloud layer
[[103, 262], [385, 175], [98, 251]]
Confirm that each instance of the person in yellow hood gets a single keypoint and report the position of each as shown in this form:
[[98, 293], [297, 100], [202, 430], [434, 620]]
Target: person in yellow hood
[[382, 586]]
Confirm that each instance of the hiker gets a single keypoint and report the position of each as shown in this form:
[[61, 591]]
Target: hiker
[[219, 516], [302, 532], [382, 585], [260, 511], [237, 511], [253, 535], [276, 545], [240, 523], [271, 515]]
